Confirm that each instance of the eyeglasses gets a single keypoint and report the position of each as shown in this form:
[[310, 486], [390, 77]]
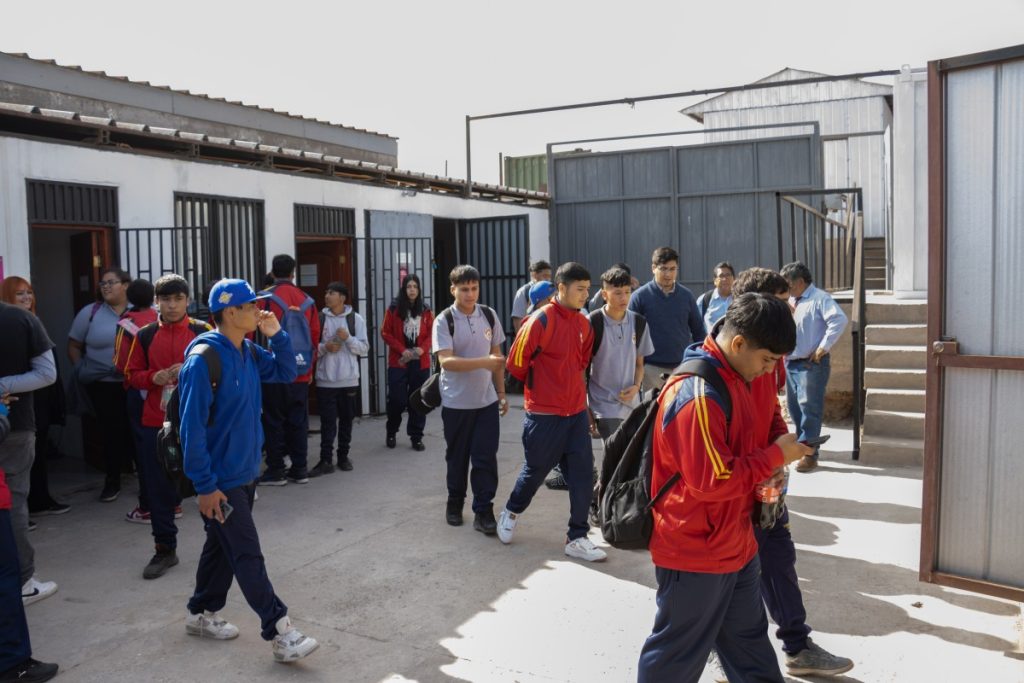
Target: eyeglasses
[[666, 269], [109, 283]]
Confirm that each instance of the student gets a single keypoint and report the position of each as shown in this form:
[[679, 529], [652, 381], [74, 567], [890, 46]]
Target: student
[[286, 405], [16, 663], [221, 438], [26, 364], [819, 324], [714, 302], [91, 351], [550, 353], [672, 315], [597, 301], [617, 369], [154, 360], [406, 331], [49, 406], [140, 313], [342, 343], [540, 271], [702, 543], [541, 294]]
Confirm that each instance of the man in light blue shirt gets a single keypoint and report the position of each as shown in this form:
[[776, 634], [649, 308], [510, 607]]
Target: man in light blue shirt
[[714, 302], [819, 322]]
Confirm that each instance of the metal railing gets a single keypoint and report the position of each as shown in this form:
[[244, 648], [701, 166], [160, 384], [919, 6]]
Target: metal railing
[[833, 248]]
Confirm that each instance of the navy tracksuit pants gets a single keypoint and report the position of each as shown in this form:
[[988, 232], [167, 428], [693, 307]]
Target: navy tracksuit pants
[[157, 489], [15, 646], [402, 382], [232, 551], [337, 411], [548, 440], [780, 587], [286, 425], [699, 611], [471, 438]]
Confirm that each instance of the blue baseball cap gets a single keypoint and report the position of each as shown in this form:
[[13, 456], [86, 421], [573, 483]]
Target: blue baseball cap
[[232, 292], [541, 291]]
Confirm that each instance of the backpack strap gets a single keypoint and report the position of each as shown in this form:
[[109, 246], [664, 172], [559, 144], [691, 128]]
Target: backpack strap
[[449, 318], [323, 319], [350, 321], [92, 311], [640, 326], [545, 339], [146, 335], [705, 301], [489, 314], [699, 367], [596, 319], [212, 358]]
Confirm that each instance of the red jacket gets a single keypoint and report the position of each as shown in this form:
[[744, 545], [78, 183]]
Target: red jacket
[[293, 296], [393, 334], [166, 349], [703, 523], [127, 327], [5, 493], [566, 340]]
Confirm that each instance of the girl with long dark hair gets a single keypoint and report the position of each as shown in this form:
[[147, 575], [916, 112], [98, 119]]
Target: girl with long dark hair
[[406, 330]]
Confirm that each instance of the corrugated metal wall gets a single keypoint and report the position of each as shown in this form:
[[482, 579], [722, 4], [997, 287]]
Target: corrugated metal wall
[[710, 202], [981, 519], [849, 162]]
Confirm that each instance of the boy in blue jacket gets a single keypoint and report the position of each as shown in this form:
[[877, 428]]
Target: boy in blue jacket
[[221, 437]]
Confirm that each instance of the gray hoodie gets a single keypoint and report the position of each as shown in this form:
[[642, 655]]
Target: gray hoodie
[[341, 368]]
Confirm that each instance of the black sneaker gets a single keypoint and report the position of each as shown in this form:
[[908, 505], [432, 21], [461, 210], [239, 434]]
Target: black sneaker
[[32, 526], [344, 464], [556, 480], [417, 445], [111, 490], [453, 512], [164, 559], [30, 671], [323, 467], [272, 479], [297, 476], [391, 441], [485, 523], [53, 508]]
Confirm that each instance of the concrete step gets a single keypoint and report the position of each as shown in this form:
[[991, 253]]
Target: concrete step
[[893, 311], [891, 423], [880, 450], [902, 400], [879, 356], [896, 335], [888, 378]]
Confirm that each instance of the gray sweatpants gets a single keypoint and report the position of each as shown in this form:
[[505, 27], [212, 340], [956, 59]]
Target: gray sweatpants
[[16, 455]]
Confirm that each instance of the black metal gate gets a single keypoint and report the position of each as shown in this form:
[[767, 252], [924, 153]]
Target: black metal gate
[[500, 250], [388, 260], [148, 253]]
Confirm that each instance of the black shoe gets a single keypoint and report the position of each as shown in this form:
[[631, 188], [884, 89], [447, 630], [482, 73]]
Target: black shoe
[[111, 490], [30, 671], [164, 559], [556, 480], [417, 445], [453, 513], [272, 479], [485, 523], [32, 526], [323, 467], [344, 464], [52, 508], [391, 442], [298, 476]]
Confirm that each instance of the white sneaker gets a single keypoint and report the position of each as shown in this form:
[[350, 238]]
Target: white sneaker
[[209, 625], [34, 591], [583, 549], [290, 645], [507, 525], [715, 667]]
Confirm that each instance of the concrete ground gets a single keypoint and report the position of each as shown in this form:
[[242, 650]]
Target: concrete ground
[[367, 566]]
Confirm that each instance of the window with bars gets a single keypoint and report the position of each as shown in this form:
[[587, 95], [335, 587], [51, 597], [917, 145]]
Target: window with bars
[[234, 229], [324, 221]]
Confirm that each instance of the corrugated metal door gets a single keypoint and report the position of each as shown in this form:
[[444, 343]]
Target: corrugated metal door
[[712, 202], [973, 524], [500, 250]]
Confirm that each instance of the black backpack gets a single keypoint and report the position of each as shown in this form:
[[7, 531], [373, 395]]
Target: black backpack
[[428, 396], [625, 483], [148, 332], [350, 322], [169, 453], [597, 323]]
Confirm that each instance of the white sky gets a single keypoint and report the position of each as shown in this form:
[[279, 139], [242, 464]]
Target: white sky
[[415, 69]]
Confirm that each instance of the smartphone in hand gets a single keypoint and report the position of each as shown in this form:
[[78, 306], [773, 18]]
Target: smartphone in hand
[[817, 442], [226, 509]]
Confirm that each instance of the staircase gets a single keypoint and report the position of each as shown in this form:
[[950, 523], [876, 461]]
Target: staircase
[[874, 263], [895, 359]]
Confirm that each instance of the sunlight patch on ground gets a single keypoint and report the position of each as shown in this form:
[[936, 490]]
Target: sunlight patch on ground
[[869, 540]]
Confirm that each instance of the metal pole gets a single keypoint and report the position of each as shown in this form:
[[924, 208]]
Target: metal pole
[[469, 158], [778, 225]]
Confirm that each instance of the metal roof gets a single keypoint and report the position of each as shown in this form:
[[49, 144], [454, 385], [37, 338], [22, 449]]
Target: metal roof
[[783, 95], [107, 133], [147, 84]]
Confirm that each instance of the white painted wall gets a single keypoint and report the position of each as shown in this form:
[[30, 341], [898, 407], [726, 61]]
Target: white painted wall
[[910, 185]]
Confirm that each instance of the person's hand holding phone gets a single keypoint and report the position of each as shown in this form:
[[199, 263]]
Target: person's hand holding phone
[[792, 450], [210, 504]]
